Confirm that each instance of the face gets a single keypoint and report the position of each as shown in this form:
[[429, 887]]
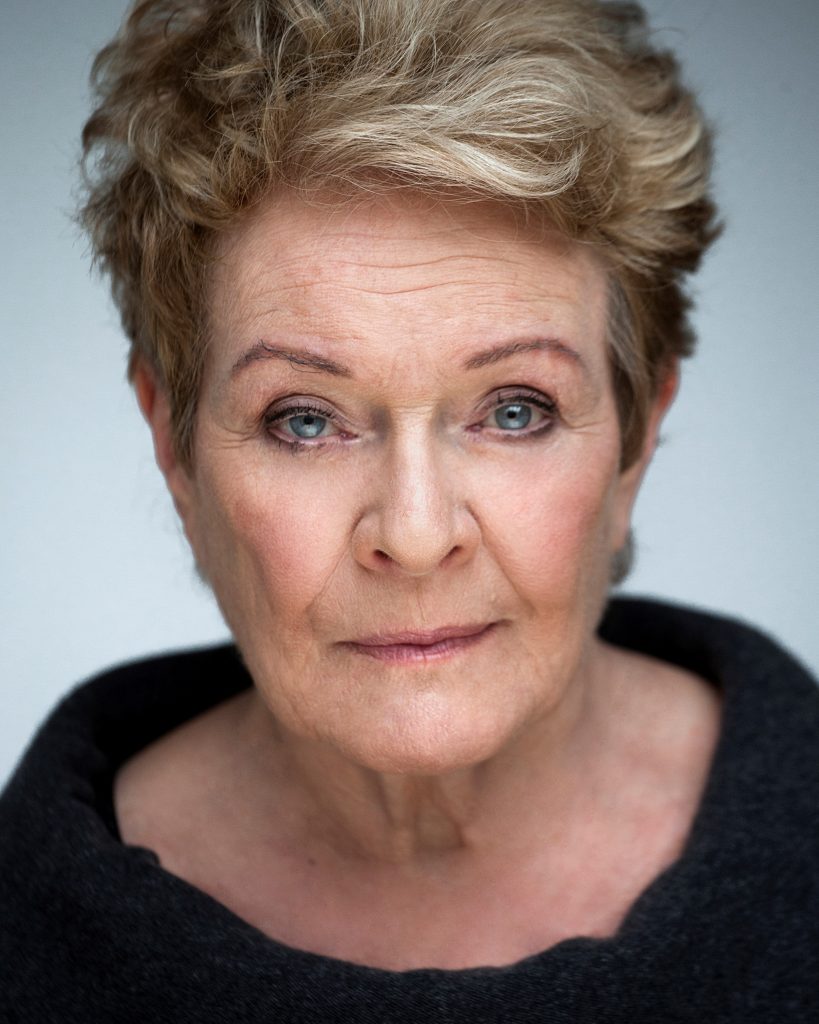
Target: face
[[407, 425]]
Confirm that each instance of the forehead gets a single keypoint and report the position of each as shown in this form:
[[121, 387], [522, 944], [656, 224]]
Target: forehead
[[430, 271]]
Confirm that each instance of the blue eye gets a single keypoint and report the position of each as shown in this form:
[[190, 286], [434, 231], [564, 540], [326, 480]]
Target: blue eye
[[528, 414], [307, 425], [513, 416], [296, 426]]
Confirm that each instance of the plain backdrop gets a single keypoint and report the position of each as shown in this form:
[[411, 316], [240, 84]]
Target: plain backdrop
[[94, 566]]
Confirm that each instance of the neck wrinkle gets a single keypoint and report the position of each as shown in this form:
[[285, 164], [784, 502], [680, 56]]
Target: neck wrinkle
[[358, 814]]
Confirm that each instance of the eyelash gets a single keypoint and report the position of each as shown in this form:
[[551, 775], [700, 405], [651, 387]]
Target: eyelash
[[546, 405], [294, 445], [517, 396]]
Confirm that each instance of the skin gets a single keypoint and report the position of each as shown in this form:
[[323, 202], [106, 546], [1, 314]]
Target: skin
[[398, 796]]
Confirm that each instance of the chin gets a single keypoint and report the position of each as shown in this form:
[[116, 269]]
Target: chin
[[427, 739]]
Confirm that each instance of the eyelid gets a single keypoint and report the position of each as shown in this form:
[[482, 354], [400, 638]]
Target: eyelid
[[510, 394], [524, 396], [298, 408]]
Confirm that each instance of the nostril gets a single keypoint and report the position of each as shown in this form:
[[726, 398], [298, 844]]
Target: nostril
[[383, 558]]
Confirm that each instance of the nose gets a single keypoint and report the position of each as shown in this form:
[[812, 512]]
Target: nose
[[417, 518]]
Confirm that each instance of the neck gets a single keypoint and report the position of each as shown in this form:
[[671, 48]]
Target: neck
[[407, 819]]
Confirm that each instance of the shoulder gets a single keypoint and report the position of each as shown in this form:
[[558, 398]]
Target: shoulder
[[764, 779], [169, 789], [664, 724], [724, 650], [132, 704], [104, 720], [766, 757], [56, 813], [172, 673]]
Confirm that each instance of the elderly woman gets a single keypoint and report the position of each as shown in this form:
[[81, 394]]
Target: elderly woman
[[404, 281]]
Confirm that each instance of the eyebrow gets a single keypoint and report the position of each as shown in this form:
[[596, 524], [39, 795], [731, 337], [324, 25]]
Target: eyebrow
[[303, 357], [504, 351], [297, 357]]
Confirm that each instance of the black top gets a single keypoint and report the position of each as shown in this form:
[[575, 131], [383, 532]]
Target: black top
[[94, 930]]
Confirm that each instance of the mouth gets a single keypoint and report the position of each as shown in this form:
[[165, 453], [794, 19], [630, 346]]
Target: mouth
[[421, 646]]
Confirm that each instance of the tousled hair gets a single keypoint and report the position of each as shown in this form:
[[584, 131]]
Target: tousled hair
[[556, 107]]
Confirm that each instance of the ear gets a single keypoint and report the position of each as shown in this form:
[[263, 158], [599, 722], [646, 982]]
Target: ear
[[630, 479], [156, 408]]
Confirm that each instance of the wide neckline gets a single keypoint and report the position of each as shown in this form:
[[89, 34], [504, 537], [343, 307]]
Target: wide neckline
[[96, 931], [118, 716], [660, 893]]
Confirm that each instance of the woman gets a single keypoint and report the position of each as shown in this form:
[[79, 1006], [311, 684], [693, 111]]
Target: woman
[[405, 289]]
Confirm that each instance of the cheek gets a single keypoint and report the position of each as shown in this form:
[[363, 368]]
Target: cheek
[[555, 525], [267, 546]]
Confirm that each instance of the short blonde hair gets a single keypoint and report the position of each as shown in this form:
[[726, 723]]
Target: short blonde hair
[[559, 107]]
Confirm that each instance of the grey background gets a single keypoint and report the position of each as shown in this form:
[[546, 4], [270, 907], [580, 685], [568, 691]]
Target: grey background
[[94, 567]]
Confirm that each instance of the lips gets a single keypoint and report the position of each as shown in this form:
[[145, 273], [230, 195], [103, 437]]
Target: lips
[[421, 638], [421, 647]]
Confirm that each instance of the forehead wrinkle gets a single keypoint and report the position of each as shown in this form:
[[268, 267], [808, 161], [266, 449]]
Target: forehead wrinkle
[[276, 282], [315, 268], [508, 294], [239, 288], [405, 291], [246, 312], [451, 257], [315, 256]]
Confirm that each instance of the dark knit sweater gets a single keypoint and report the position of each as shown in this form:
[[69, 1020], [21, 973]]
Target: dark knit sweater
[[94, 930]]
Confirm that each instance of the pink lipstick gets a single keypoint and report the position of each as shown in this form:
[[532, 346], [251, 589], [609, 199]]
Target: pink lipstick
[[421, 646]]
